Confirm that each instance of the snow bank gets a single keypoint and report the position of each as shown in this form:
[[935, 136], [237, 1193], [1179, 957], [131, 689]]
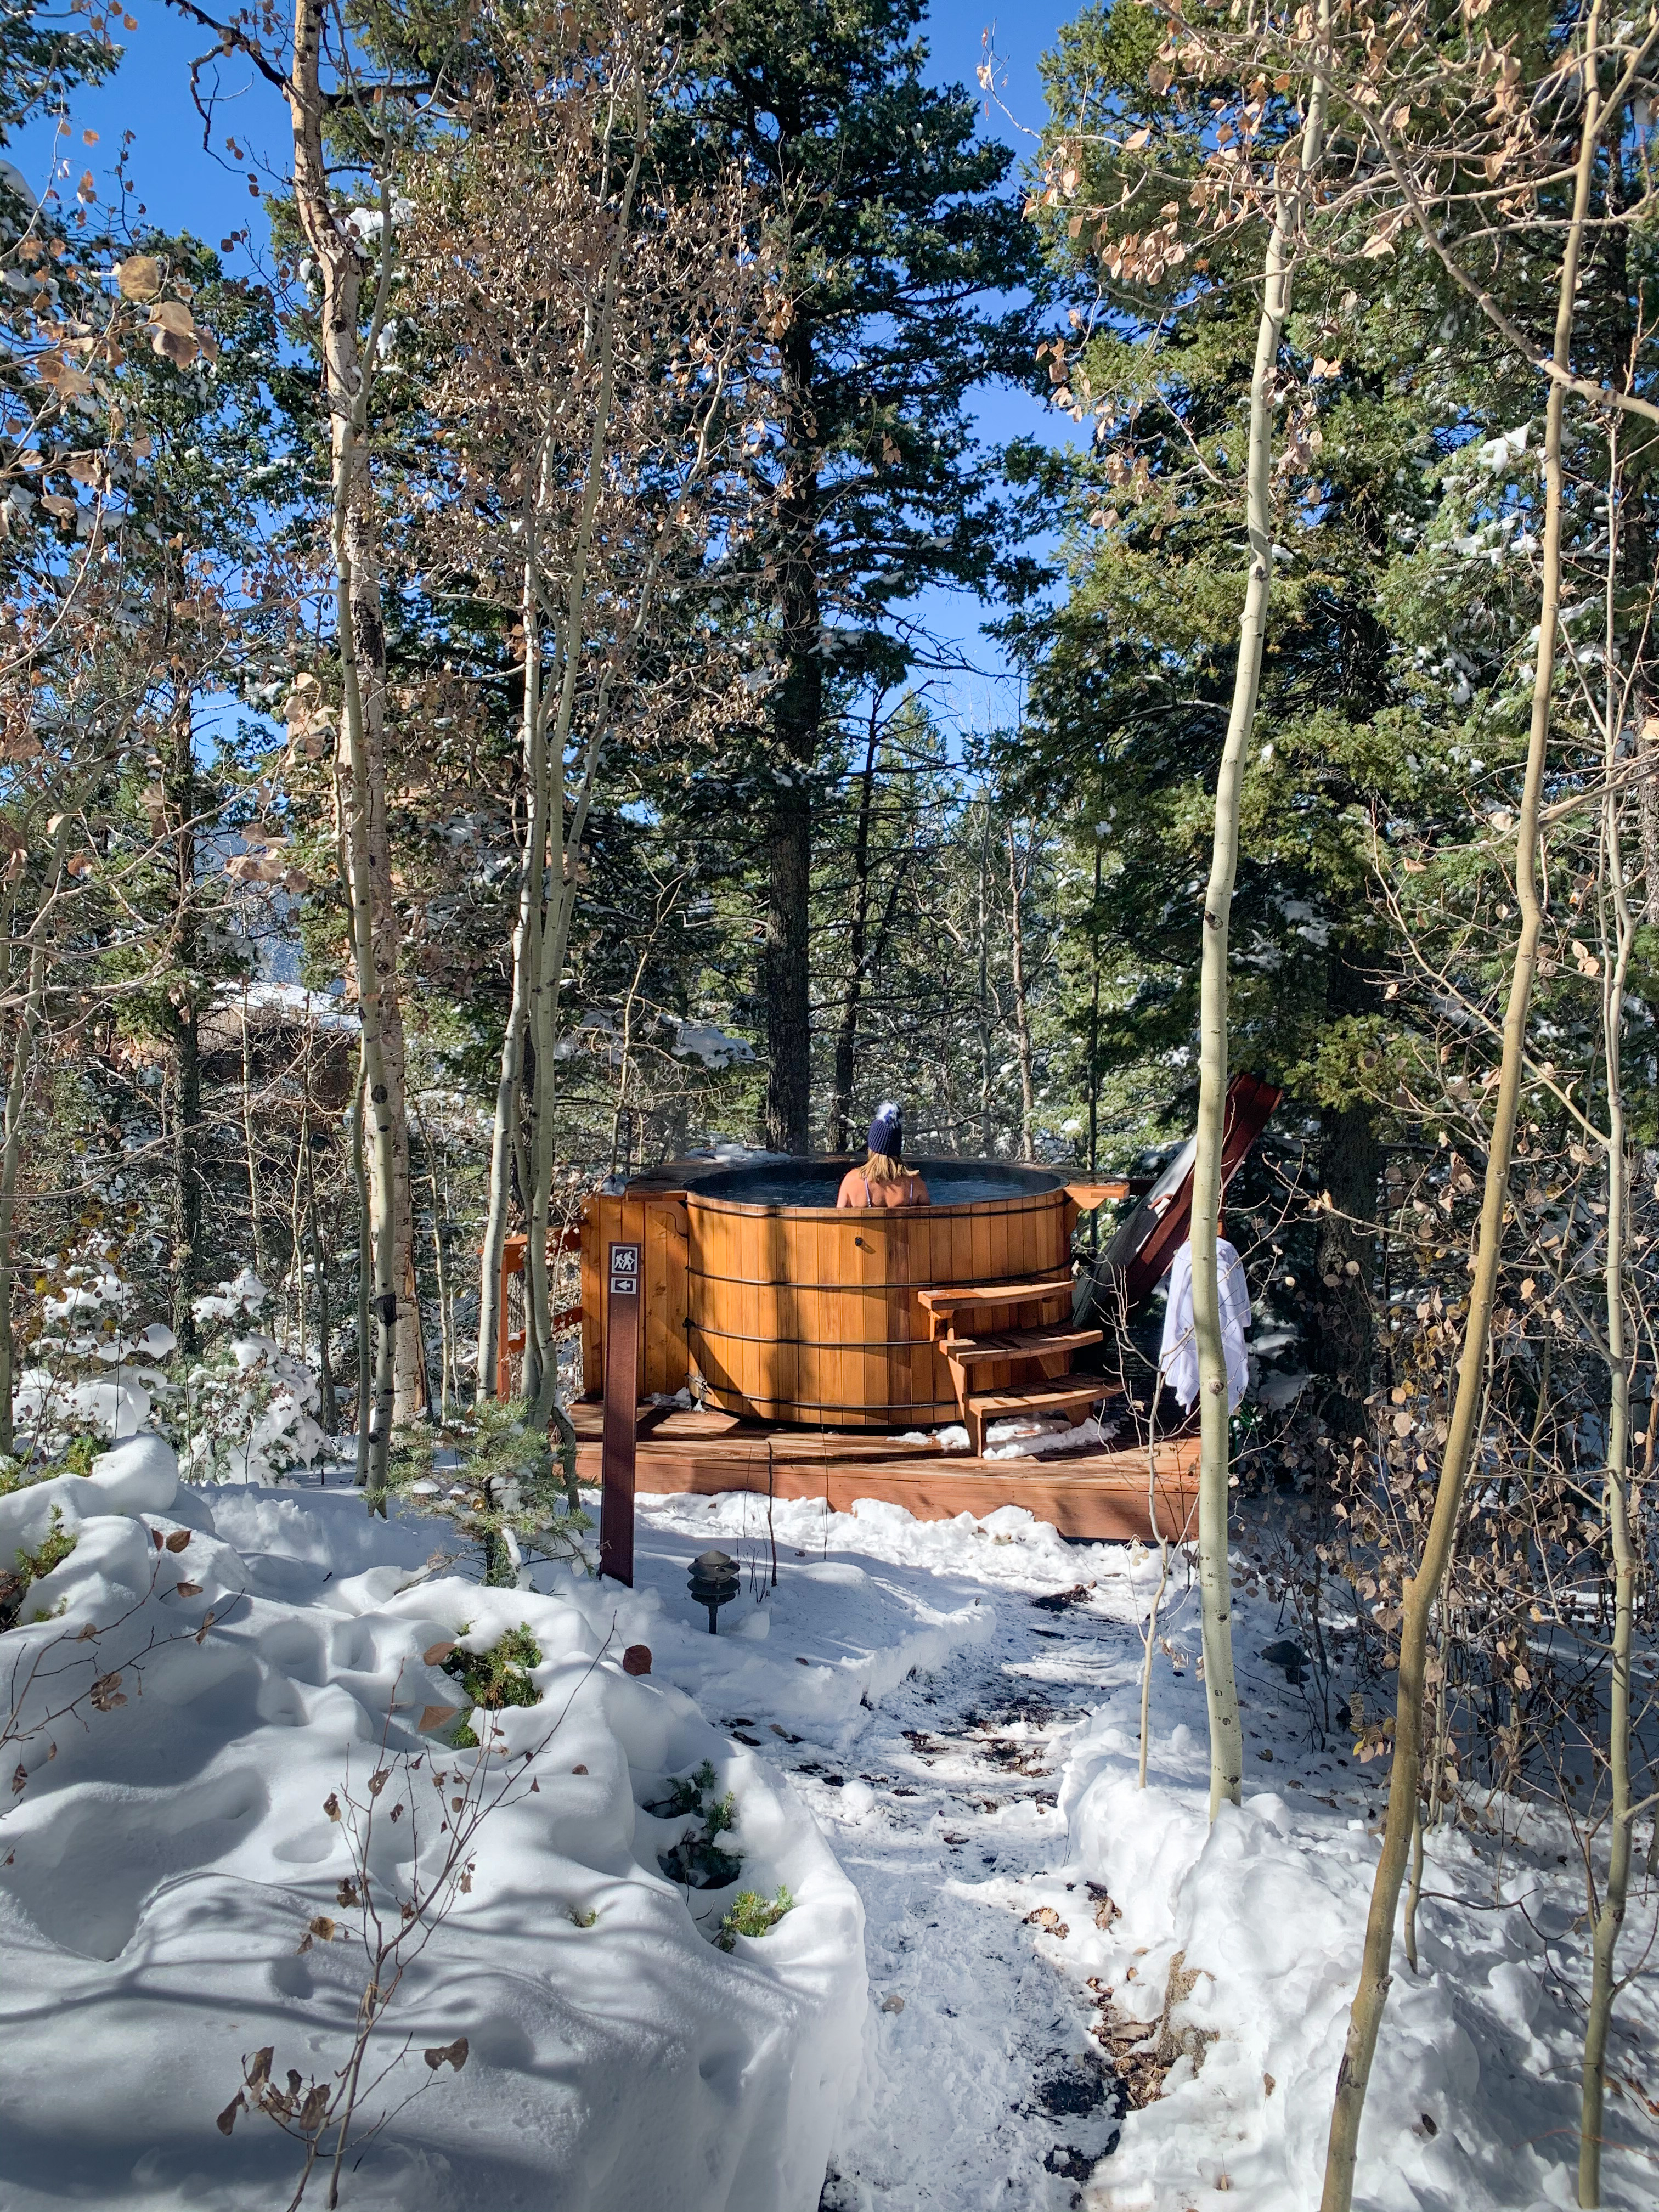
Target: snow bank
[[1260, 1919], [139, 1476], [161, 1871]]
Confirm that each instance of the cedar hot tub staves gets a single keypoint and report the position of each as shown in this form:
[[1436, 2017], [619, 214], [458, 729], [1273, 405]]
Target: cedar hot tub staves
[[789, 1311]]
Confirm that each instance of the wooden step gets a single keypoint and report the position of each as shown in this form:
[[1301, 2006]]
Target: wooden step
[[965, 1296], [1062, 1395], [1019, 1344]]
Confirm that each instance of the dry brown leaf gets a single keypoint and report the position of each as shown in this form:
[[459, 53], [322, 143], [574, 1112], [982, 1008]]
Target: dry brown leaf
[[139, 277]]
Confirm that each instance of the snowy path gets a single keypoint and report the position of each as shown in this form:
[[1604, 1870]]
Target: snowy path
[[982, 2087], [1001, 1668], [988, 2090]]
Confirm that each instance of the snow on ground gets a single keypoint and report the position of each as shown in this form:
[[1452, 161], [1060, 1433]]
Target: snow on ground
[[999, 1783], [162, 1868], [955, 1706]]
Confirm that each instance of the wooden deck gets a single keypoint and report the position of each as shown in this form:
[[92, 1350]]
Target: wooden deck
[[1100, 1495]]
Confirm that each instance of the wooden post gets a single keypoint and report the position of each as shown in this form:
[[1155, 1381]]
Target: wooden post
[[622, 1346]]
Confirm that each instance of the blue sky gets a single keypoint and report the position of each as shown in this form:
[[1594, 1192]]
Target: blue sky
[[184, 186]]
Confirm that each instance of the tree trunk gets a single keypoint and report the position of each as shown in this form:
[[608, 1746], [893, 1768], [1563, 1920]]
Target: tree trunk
[[360, 761], [1422, 1589], [11, 1140], [787, 972], [532, 869], [256, 1208], [328, 1411], [1220, 1691], [1617, 943], [1019, 878], [552, 936], [365, 1280], [787, 963], [838, 1136], [1094, 1041], [986, 1135], [179, 789]]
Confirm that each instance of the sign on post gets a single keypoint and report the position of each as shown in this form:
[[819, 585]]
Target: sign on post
[[622, 1349]]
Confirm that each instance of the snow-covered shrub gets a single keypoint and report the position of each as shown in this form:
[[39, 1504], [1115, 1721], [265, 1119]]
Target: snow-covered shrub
[[252, 1406], [93, 1377]]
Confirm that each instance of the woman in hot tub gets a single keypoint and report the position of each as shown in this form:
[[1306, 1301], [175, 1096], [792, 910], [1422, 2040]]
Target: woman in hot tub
[[884, 1180]]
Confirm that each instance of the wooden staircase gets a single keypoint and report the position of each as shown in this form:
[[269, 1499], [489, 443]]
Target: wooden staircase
[[1038, 1333]]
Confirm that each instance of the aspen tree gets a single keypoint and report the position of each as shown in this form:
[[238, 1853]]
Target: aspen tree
[[1220, 1691], [1423, 1588]]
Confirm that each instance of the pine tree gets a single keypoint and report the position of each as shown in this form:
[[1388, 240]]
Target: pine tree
[[1375, 677], [890, 233]]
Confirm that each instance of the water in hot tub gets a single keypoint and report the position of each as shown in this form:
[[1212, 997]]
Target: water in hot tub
[[950, 1183]]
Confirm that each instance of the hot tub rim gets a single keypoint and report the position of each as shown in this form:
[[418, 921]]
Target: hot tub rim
[[1031, 1187]]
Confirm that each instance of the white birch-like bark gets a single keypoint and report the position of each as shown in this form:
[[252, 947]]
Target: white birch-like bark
[[1422, 1589], [1221, 1689]]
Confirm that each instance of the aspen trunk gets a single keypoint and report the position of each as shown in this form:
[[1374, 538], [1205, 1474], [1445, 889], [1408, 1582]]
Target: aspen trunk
[[509, 1089], [1423, 1588], [564, 843], [1220, 1691], [360, 761], [357, 625], [1616, 944], [365, 1282]]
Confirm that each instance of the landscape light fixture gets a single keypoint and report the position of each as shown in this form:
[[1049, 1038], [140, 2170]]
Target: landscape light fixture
[[714, 1582]]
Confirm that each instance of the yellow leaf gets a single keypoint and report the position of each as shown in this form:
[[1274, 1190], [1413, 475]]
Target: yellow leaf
[[1136, 140], [1374, 248]]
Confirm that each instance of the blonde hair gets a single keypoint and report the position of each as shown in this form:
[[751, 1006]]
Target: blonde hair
[[880, 1167]]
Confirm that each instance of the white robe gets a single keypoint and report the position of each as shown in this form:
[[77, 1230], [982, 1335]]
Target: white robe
[[1177, 1359]]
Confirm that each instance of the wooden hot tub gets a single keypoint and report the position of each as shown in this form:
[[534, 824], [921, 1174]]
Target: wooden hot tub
[[789, 1311]]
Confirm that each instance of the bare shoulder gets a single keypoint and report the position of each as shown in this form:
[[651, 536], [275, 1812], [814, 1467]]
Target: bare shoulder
[[852, 1190]]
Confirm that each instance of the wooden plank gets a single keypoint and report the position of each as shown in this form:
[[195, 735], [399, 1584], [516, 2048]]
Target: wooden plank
[[1101, 1496], [1086, 1196], [962, 1296], [665, 1247], [678, 1254], [1022, 1344], [1039, 1397], [624, 1287]]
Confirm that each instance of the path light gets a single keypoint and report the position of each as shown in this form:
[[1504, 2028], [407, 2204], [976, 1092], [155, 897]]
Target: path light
[[714, 1579]]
